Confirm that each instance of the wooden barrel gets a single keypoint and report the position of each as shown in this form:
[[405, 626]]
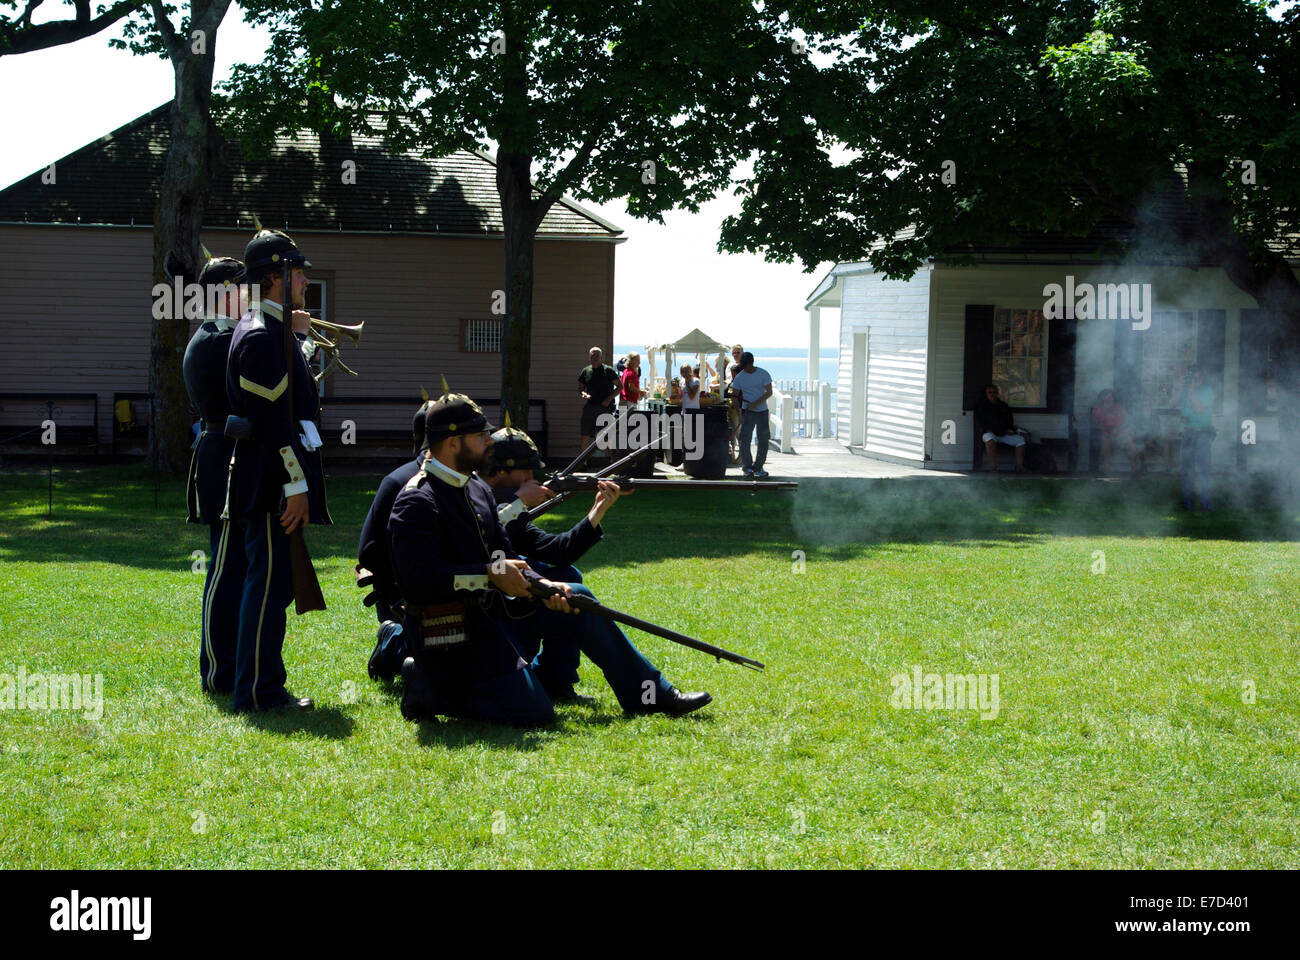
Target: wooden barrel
[[712, 465]]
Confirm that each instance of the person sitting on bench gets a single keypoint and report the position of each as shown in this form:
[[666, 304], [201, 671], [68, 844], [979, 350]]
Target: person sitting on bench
[[999, 427]]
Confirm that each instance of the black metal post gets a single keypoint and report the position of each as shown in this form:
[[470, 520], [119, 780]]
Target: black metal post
[[49, 412], [153, 449]]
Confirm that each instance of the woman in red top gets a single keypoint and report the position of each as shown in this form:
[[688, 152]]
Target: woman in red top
[[632, 391]]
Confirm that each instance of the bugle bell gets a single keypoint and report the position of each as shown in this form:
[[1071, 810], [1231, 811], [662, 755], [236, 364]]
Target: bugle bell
[[352, 332]]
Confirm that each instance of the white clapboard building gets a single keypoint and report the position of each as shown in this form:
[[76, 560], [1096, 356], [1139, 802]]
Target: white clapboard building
[[914, 354]]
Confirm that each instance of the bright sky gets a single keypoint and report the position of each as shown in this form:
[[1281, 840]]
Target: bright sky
[[668, 278]]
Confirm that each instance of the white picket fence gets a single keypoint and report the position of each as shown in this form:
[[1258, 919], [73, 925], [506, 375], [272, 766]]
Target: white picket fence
[[801, 409]]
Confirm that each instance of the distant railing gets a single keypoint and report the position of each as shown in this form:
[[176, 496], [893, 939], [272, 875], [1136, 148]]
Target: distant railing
[[813, 407], [780, 413]]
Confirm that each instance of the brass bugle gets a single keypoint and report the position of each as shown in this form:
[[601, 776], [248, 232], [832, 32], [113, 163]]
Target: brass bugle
[[332, 363], [352, 332]]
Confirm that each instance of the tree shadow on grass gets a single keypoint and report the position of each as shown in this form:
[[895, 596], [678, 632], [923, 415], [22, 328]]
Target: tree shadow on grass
[[107, 514]]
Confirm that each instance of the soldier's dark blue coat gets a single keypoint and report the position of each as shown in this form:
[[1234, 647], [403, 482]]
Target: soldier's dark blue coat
[[551, 554], [204, 368], [257, 388], [268, 467], [372, 550], [443, 538], [555, 549], [436, 533]]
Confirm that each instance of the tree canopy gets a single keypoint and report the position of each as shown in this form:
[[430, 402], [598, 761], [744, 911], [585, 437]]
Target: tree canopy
[[589, 90], [1048, 115], [653, 101], [18, 34]]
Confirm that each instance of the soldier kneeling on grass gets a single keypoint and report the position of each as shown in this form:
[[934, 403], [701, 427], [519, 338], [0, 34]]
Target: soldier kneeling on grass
[[463, 587], [512, 459]]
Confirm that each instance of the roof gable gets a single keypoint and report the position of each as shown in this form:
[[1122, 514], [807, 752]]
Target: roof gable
[[299, 186]]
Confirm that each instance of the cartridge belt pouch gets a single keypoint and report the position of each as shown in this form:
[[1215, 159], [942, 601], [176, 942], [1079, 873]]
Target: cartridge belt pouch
[[442, 625], [239, 428]]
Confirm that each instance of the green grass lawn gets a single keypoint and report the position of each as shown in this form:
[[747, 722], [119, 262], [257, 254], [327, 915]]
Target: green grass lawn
[[1147, 714]]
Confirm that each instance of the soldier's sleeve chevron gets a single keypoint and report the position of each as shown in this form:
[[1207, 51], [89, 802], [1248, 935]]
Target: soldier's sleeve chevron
[[257, 389]]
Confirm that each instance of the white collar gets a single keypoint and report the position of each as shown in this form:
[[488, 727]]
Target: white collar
[[436, 468], [272, 308], [223, 322]]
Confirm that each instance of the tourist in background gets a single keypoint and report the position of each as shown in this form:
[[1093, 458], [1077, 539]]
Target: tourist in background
[[1196, 406], [631, 390], [754, 385]]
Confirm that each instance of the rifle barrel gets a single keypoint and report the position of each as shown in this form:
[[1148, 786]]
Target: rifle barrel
[[532, 513], [581, 458], [634, 483], [562, 495], [589, 605]]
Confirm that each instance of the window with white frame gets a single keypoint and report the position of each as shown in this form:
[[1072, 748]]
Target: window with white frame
[[314, 303]]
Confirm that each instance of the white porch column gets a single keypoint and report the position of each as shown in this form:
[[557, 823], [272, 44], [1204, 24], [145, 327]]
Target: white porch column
[[814, 345]]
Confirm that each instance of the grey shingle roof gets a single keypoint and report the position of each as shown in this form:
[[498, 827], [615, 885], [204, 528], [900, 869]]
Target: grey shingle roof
[[115, 180]]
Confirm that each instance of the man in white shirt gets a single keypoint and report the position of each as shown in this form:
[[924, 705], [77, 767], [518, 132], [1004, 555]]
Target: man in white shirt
[[754, 385]]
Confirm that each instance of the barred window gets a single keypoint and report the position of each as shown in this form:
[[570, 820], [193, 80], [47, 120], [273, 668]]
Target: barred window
[[481, 336]]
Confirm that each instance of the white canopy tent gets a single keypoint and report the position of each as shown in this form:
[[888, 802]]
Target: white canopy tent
[[697, 343]]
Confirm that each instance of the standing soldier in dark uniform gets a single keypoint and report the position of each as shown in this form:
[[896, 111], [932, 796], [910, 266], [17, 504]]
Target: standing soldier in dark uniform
[[276, 481], [449, 550], [204, 368]]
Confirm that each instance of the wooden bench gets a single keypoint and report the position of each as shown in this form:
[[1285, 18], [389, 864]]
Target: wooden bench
[[75, 415], [386, 421], [1053, 430]]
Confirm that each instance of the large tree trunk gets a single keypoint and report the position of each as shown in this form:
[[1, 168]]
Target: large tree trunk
[[518, 211], [178, 222], [519, 215]]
